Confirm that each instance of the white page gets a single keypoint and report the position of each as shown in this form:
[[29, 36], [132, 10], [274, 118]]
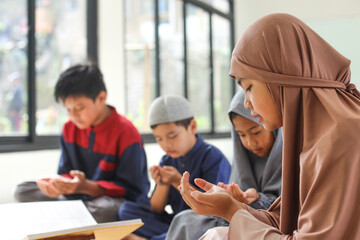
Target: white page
[[20, 219]]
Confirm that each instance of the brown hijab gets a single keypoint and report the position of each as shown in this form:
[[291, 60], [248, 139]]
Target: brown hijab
[[310, 84]]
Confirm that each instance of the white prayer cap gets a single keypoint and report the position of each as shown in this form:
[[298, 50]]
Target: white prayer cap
[[167, 109]]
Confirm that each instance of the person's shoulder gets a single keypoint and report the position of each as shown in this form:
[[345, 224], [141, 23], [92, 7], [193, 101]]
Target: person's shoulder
[[70, 132], [210, 148], [69, 126], [125, 129], [124, 120], [125, 123]]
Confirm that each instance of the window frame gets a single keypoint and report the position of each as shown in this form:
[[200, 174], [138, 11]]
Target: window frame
[[212, 134], [33, 141]]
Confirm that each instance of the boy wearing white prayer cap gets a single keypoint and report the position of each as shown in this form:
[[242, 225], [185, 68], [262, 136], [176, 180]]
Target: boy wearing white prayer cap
[[174, 127]]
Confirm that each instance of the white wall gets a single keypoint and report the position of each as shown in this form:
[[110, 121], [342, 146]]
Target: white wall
[[27, 166], [246, 12], [111, 54], [23, 166], [338, 22]]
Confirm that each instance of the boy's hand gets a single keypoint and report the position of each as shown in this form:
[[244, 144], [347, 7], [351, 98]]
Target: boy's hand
[[68, 185], [47, 188], [247, 197], [215, 201], [251, 195], [155, 174], [170, 175], [166, 175]]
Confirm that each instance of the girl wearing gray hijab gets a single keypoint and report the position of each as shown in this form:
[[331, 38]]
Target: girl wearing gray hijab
[[255, 174]]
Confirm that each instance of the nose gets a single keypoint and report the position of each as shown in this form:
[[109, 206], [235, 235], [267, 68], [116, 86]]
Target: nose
[[168, 143], [73, 115], [251, 141], [247, 103]]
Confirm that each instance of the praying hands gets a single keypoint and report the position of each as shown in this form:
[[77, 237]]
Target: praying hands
[[215, 201]]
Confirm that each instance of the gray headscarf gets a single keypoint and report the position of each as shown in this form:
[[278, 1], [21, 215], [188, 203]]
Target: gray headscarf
[[268, 183]]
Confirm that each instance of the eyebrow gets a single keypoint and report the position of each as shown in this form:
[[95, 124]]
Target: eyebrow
[[169, 133], [250, 128]]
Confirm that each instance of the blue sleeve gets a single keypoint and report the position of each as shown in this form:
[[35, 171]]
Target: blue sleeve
[[264, 202], [131, 172], [65, 165], [162, 161], [216, 168]]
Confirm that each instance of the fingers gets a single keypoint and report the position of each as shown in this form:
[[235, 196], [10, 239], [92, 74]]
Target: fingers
[[47, 188], [185, 189], [59, 184], [234, 188], [188, 192], [251, 195], [66, 185], [169, 168], [76, 173], [201, 183], [52, 190], [157, 178], [237, 193], [184, 183], [224, 186], [154, 168]]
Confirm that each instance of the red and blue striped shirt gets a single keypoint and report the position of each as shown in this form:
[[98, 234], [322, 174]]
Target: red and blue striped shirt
[[111, 154]]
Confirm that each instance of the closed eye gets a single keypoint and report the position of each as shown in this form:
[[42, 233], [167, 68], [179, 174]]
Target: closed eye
[[248, 89], [173, 136]]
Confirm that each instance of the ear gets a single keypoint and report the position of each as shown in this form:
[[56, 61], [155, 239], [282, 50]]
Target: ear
[[193, 126], [101, 97]]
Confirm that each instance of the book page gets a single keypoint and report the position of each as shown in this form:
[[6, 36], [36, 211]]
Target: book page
[[102, 231], [20, 219]]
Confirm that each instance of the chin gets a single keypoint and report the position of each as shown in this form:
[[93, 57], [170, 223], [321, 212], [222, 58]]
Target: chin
[[81, 126], [174, 155], [260, 154], [269, 126]]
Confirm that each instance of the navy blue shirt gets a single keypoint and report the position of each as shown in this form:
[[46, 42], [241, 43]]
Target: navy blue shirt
[[202, 161]]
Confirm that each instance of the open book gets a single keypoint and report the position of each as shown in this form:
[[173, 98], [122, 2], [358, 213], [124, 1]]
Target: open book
[[42, 220], [101, 231]]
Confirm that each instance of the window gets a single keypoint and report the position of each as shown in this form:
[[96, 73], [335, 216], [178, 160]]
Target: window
[[183, 48], [60, 34], [171, 47], [31, 61], [13, 65]]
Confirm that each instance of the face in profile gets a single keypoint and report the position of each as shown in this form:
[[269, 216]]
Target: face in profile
[[84, 111], [258, 99], [253, 136], [174, 139]]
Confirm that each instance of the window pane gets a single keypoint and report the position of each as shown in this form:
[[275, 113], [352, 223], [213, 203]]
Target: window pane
[[13, 68], [221, 64], [171, 48], [140, 60], [60, 43], [198, 49], [222, 5]]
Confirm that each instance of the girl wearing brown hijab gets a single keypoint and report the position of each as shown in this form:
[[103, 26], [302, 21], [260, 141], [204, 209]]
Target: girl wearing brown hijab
[[294, 79]]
